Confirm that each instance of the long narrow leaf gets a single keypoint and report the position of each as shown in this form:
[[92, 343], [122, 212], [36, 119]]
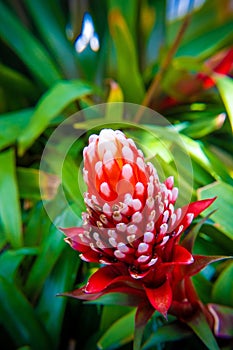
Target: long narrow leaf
[[49, 106], [19, 319], [9, 204], [50, 308], [44, 19], [127, 59], [31, 52]]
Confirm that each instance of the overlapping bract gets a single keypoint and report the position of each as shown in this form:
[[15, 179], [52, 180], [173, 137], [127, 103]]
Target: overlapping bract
[[131, 225]]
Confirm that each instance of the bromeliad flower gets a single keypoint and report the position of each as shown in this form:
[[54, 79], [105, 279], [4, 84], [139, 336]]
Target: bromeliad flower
[[132, 227]]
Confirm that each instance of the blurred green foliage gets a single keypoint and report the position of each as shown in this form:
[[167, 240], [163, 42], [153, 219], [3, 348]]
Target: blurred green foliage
[[144, 57]]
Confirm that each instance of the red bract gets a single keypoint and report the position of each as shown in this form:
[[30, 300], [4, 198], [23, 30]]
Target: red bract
[[131, 224]]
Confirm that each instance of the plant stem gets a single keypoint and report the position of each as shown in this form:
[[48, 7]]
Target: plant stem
[[153, 90]]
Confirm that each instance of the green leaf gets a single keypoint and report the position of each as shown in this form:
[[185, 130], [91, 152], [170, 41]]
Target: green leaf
[[53, 35], [202, 329], [9, 204], [133, 88], [49, 106], [31, 52], [16, 82], [167, 333], [11, 259], [12, 124], [120, 333], [203, 287], [19, 319], [43, 265], [52, 247], [204, 126], [223, 204], [50, 308], [222, 291], [31, 188], [207, 159], [225, 87], [223, 317], [110, 314]]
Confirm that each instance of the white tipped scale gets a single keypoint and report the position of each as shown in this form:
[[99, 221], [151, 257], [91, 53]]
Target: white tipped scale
[[95, 200], [180, 229], [169, 182], [152, 215], [85, 176], [132, 144], [131, 229], [119, 255], [100, 244], [190, 217], [169, 195], [150, 202], [143, 248], [128, 153], [164, 189], [150, 226], [106, 143], [93, 247], [136, 204], [128, 199], [172, 220], [87, 234], [164, 240], [127, 172], [150, 189], [143, 259], [161, 208], [117, 216], [113, 242], [98, 168], [93, 138], [83, 238], [152, 262], [112, 233], [131, 238], [107, 209], [108, 159], [139, 188], [165, 216], [140, 163], [163, 229], [83, 258], [148, 237], [96, 236], [137, 217], [171, 208], [103, 219], [104, 188], [175, 193], [90, 152], [122, 247], [121, 227]]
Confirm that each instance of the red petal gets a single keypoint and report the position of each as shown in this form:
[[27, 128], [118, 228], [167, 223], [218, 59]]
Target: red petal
[[182, 256], [199, 206], [103, 277], [196, 208], [73, 238], [90, 256], [200, 261], [160, 298]]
